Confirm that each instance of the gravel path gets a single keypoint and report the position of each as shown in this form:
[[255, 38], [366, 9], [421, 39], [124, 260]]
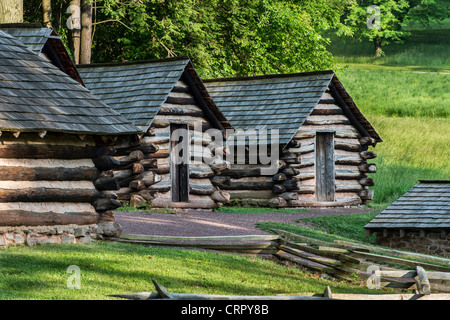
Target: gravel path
[[209, 223]]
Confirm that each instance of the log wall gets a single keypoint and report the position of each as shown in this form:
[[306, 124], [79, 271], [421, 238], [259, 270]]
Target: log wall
[[295, 183], [48, 180], [145, 176]]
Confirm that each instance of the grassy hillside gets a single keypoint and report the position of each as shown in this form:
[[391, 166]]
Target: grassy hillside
[[406, 96]]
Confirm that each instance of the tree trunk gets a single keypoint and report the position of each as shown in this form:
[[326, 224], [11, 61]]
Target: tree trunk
[[47, 13], [86, 31], [74, 41], [11, 11], [378, 51]]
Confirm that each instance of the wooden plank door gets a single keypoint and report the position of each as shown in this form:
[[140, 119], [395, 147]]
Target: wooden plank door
[[179, 156], [325, 183]]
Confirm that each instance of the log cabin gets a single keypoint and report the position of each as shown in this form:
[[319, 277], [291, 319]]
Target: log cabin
[[161, 97], [55, 152], [417, 221], [46, 43], [323, 140]]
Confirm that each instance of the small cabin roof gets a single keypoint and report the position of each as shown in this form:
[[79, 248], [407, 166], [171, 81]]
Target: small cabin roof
[[44, 42], [138, 89], [425, 206], [281, 101], [36, 96]]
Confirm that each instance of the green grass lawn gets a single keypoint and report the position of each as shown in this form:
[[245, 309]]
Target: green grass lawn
[[40, 273]]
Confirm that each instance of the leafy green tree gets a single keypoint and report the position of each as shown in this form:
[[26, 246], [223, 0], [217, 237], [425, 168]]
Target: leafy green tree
[[382, 21], [222, 37]]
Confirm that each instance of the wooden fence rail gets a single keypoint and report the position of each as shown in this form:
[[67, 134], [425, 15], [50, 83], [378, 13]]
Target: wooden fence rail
[[163, 293], [379, 267], [346, 260]]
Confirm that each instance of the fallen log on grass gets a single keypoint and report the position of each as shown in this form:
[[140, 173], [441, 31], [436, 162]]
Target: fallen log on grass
[[162, 293]]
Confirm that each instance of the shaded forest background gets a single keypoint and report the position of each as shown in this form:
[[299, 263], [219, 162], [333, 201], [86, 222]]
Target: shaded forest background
[[233, 37]]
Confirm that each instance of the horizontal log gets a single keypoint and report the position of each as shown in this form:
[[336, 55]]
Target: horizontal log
[[200, 189], [278, 189], [349, 160], [348, 187], [106, 204], [132, 157], [396, 253], [365, 141], [250, 194], [241, 173], [105, 162], [48, 151], [368, 167], [313, 122], [291, 171], [304, 176], [206, 238], [368, 155], [204, 203], [279, 177], [327, 112], [366, 194], [124, 193], [348, 174], [137, 185], [44, 194], [324, 204], [348, 146], [161, 153], [48, 173], [162, 186], [180, 100], [25, 218], [367, 182], [340, 132], [244, 184], [149, 163], [144, 147], [219, 166], [221, 181], [107, 183], [203, 171], [221, 196], [324, 252], [180, 110]]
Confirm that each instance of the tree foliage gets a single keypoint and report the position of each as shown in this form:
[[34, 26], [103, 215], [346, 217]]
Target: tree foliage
[[393, 16], [222, 37]]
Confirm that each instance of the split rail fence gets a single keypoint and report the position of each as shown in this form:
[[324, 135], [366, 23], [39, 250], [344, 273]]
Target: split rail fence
[[379, 267]]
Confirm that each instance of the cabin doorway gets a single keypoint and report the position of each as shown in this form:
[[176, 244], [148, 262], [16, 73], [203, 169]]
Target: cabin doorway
[[179, 159], [325, 177]]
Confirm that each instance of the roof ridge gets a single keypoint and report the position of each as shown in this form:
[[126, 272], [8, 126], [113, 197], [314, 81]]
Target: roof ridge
[[136, 62], [270, 76]]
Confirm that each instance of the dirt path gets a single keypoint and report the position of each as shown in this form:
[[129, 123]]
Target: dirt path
[[209, 223]]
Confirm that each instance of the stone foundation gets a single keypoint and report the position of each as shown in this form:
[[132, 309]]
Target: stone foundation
[[428, 242], [39, 235]]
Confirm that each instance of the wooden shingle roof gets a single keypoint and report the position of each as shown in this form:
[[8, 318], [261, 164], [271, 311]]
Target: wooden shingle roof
[[44, 42], [36, 96], [425, 206], [139, 89], [270, 102]]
